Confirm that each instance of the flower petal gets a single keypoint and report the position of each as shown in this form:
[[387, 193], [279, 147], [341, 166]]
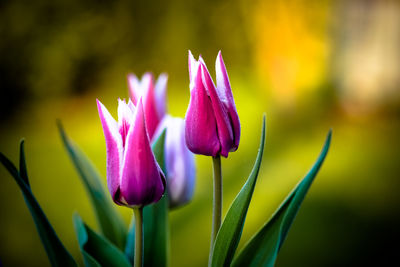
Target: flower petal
[[114, 148], [160, 95], [141, 180], [125, 119], [131, 106], [224, 127], [200, 124], [149, 104], [153, 98], [225, 94], [180, 164]]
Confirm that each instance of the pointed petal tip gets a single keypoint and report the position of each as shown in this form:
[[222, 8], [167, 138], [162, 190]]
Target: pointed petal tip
[[101, 109], [191, 57], [199, 69], [191, 60], [163, 75], [148, 75], [161, 82], [131, 77], [121, 102], [219, 54], [219, 63], [140, 108], [201, 59], [100, 105], [206, 74]]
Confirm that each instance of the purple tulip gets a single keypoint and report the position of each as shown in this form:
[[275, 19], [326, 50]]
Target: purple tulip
[[153, 98], [179, 161], [134, 178], [212, 123]]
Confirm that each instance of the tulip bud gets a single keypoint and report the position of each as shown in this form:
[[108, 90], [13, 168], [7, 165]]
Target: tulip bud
[[134, 178], [153, 98], [179, 161], [212, 124]]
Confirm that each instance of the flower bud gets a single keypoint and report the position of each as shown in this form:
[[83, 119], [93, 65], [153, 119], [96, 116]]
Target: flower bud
[[134, 177], [212, 124]]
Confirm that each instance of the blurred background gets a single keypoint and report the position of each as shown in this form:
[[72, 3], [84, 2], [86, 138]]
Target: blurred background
[[309, 65]]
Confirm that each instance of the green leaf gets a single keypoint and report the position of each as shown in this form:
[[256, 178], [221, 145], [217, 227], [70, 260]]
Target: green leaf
[[229, 234], [97, 250], [158, 149], [156, 233], [56, 252], [111, 224], [22, 163], [263, 248], [155, 222]]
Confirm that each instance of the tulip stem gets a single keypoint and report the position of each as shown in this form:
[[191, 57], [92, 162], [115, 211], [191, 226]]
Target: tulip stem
[[138, 212], [217, 201]]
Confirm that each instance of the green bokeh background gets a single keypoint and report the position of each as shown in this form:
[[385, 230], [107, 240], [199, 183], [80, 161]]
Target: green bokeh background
[[309, 65]]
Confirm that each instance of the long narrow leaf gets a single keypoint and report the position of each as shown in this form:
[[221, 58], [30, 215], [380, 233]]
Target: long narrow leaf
[[56, 252], [111, 224], [22, 163], [96, 250], [228, 236], [156, 233], [263, 248], [155, 222]]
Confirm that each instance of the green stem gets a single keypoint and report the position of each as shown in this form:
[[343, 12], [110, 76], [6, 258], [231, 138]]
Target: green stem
[[138, 262], [217, 201]]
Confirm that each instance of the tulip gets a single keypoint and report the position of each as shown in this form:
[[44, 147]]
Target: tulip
[[179, 161], [153, 98], [134, 178], [212, 124]]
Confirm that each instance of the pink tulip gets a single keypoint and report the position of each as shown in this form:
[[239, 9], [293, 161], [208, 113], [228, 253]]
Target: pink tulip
[[134, 178], [153, 98], [212, 124]]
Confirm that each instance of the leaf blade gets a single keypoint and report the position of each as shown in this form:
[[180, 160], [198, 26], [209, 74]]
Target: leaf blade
[[156, 233], [56, 252], [263, 247], [110, 221], [228, 236], [97, 250], [22, 163]]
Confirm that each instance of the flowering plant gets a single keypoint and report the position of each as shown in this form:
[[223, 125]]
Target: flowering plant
[[151, 169]]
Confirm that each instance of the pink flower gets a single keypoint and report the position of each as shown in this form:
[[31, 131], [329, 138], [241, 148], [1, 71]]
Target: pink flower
[[134, 178], [212, 124], [153, 98]]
